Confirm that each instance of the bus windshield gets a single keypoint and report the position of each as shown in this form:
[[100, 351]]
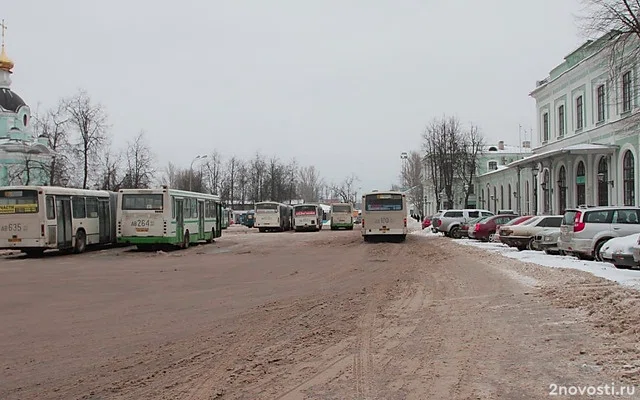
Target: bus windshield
[[341, 209], [18, 201], [150, 201], [306, 210], [383, 202], [267, 207]]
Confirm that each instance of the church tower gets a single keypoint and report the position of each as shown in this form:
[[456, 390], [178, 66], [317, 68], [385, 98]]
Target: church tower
[[22, 156]]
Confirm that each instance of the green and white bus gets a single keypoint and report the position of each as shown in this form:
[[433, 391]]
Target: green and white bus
[[227, 215], [156, 217], [341, 216]]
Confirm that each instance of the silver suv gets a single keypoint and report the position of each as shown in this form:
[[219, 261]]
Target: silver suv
[[450, 221], [585, 230]]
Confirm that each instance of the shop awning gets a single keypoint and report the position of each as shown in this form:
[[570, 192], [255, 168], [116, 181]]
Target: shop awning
[[586, 148]]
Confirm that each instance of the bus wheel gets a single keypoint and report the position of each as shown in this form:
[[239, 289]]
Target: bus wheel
[[81, 242], [185, 241]]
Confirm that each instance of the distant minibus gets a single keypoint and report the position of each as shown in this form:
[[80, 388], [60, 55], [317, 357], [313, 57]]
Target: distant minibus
[[307, 217], [341, 216], [163, 216], [384, 214], [271, 215], [227, 218], [36, 218]]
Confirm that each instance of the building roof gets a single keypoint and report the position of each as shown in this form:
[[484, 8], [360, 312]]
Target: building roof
[[585, 148], [507, 149], [9, 100]]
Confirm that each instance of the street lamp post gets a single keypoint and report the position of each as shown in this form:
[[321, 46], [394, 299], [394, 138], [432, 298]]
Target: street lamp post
[[191, 168]]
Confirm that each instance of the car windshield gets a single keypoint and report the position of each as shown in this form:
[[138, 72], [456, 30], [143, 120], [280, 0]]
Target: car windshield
[[517, 220], [484, 219], [531, 221]]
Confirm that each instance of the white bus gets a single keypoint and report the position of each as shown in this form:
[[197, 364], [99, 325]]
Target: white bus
[[36, 218], [341, 216], [384, 214], [307, 217], [151, 217], [271, 215]]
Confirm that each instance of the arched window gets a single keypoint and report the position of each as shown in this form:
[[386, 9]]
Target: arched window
[[501, 197], [629, 178], [526, 198], [603, 182], [509, 195], [546, 203], [581, 197], [488, 200], [562, 189]]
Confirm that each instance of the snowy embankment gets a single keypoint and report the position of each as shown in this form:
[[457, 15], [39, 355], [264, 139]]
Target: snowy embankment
[[628, 278]]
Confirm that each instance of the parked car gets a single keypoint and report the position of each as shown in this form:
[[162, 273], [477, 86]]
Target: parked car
[[464, 228], [547, 241], [426, 222], [523, 235], [434, 221], [585, 230], [619, 251], [451, 220], [515, 221], [486, 229]]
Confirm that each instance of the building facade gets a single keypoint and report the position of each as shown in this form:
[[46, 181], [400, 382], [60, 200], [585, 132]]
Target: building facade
[[24, 158], [587, 137], [492, 159]]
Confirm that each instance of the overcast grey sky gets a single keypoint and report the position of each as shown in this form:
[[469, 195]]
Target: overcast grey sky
[[343, 85]]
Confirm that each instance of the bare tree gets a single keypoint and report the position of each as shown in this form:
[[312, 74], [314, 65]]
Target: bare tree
[[472, 143], [140, 170], [170, 176], [257, 177], [213, 166], [412, 178], [345, 190], [232, 175], [90, 122], [243, 182], [53, 125], [110, 176], [604, 16], [442, 143], [310, 184]]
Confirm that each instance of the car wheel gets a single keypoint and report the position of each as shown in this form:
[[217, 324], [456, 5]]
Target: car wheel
[[455, 232], [530, 244], [492, 237], [597, 248]]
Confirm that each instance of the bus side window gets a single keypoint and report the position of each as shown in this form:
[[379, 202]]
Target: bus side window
[[92, 207], [194, 208], [173, 207], [77, 204], [51, 207]]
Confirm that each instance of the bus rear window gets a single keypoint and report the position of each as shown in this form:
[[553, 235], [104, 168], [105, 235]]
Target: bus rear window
[[341, 209], [18, 201], [383, 202], [306, 210], [266, 207], [151, 201]]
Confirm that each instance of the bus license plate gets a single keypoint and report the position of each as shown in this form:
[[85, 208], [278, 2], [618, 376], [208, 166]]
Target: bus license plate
[[15, 240], [142, 229]]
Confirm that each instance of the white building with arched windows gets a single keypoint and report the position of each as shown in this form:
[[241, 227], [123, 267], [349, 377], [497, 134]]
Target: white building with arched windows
[[588, 136]]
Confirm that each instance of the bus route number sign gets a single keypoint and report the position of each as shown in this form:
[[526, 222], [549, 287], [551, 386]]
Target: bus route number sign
[[383, 220]]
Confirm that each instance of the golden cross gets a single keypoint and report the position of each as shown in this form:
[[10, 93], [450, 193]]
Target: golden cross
[[4, 28]]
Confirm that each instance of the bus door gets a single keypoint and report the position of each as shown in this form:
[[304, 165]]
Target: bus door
[[104, 221], [179, 220], [201, 219], [63, 213], [218, 209]]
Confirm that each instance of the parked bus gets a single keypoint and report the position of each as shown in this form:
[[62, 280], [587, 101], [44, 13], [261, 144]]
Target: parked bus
[[227, 218], [163, 216], [271, 215], [341, 216], [384, 214], [250, 219], [307, 217], [36, 218]]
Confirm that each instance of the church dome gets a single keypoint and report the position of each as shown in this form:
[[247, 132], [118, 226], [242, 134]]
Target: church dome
[[10, 101], [5, 62]]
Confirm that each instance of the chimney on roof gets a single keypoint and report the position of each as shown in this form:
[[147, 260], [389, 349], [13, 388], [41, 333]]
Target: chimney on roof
[[526, 144], [501, 145]]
